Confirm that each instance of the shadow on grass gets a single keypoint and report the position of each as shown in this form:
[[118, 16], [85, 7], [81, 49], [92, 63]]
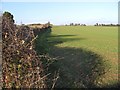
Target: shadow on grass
[[78, 68], [58, 39], [62, 35]]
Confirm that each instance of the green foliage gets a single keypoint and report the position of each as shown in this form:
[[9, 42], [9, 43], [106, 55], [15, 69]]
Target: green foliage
[[41, 43]]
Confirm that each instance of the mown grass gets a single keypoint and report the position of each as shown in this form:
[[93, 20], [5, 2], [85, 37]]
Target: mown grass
[[83, 49]]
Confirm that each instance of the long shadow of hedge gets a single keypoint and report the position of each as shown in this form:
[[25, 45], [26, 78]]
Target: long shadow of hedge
[[59, 39], [78, 68]]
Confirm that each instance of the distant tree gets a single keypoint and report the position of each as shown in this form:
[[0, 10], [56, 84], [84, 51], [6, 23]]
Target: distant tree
[[102, 24], [118, 25], [48, 23], [111, 24], [71, 24], [76, 24], [96, 24]]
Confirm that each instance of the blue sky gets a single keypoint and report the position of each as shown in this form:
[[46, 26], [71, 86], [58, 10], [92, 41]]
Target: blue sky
[[63, 13]]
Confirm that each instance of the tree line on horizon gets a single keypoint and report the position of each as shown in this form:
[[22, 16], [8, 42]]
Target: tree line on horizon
[[75, 24], [97, 24]]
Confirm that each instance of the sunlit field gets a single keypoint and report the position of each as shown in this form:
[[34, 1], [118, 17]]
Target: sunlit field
[[82, 50]]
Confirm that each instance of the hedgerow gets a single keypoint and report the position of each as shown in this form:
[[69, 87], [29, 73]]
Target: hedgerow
[[21, 66]]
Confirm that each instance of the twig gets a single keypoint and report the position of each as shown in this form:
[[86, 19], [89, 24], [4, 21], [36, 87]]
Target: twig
[[32, 40], [55, 80], [39, 79]]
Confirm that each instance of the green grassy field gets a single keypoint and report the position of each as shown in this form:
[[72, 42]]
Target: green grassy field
[[87, 56]]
